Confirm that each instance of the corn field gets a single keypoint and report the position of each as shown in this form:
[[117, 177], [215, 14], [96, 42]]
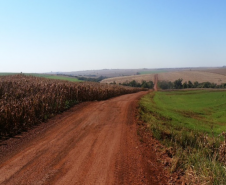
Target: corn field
[[26, 100]]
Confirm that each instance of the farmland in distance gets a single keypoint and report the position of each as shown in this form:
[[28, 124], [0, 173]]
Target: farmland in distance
[[221, 71], [43, 75], [186, 75]]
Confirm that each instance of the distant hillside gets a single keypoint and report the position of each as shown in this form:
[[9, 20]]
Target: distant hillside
[[109, 73], [186, 75]]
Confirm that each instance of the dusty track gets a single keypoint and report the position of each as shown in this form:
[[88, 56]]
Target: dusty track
[[92, 143], [156, 82]]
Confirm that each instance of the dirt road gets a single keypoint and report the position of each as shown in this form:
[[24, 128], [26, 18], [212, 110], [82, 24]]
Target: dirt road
[[92, 143], [156, 82]]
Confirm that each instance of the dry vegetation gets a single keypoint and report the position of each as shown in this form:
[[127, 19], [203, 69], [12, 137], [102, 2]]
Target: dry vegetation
[[200, 76], [28, 100]]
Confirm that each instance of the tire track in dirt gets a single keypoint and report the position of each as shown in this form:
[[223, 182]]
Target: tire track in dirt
[[95, 143]]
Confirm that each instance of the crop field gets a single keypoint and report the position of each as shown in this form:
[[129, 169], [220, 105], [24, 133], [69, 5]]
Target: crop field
[[199, 76], [191, 124], [221, 71], [28, 100]]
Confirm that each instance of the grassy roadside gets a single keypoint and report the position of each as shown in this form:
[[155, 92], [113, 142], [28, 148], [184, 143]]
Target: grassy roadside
[[188, 123]]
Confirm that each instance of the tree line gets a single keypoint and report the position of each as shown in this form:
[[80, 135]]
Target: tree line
[[92, 78], [177, 84], [134, 83], [98, 79]]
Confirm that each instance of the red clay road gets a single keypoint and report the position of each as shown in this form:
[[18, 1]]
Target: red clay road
[[156, 82], [93, 143]]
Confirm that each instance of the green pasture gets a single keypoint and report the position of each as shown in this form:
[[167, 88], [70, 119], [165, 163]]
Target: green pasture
[[56, 77], [201, 110], [6, 74]]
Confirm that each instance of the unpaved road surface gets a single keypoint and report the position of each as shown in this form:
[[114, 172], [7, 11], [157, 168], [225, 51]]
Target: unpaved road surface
[[156, 82], [93, 143]]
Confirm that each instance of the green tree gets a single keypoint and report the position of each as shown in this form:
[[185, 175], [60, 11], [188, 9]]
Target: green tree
[[196, 84], [165, 85], [150, 85], [178, 83], [185, 85], [190, 85]]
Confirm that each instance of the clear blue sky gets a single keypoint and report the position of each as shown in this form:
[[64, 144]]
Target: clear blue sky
[[70, 35]]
